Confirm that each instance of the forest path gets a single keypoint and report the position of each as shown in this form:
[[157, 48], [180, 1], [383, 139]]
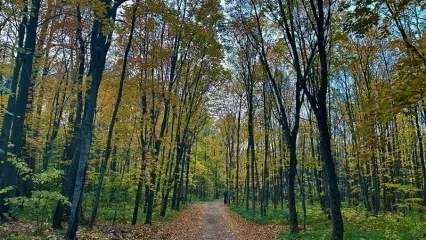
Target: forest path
[[220, 223], [215, 225], [200, 221]]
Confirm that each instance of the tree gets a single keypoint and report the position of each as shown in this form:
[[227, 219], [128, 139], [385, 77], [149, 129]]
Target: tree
[[318, 102], [100, 43], [114, 117], [9, 172]]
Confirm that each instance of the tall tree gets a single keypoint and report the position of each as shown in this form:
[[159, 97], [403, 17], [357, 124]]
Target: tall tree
[[114, 117], [17, 131], [100, 43], [322, 13]]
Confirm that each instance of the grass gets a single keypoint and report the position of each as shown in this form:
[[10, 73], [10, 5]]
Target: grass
[[278, 216], [357, 225]]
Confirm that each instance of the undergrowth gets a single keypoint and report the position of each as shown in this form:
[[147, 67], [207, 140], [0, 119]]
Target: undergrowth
[[357, 224]]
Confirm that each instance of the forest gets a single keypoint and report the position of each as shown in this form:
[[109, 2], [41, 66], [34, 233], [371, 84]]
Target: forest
[[212, 119]]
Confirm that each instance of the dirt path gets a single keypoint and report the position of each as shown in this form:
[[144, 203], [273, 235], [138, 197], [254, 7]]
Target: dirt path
[[215, 225], [221, 223], [201, 221]]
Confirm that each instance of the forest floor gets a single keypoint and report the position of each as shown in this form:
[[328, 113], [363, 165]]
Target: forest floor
[[208, 220]]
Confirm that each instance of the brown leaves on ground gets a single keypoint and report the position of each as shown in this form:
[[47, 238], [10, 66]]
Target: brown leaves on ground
[[186, 226], [246, 230], [29, 230]]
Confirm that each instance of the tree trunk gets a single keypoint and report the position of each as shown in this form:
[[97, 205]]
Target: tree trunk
[[113, 119], [292, 213], [17, 134], [302, 185], [251, 146], [247, 182], [100, 45], [71, 149], [333, 188], [143, 167], [57, 118], [319, 104], [188, 163], [8, 118], [237, 177], [422, 157]]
